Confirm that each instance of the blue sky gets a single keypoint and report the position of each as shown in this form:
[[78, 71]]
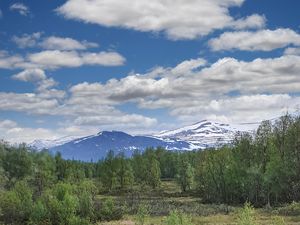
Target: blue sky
[[75, 67]]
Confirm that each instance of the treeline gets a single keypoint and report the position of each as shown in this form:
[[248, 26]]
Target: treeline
[[263, 168]]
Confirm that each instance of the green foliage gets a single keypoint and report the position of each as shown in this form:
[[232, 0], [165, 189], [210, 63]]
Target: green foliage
[[40, 214], [62, 204], [109, 211], [278, 221], [37, 188], [178, 218], [185, 176], [142, 214], [17, 163], [16, 205], [246, 215], [292, 209]]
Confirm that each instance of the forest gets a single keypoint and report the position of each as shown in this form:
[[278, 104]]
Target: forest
[[260, 170]]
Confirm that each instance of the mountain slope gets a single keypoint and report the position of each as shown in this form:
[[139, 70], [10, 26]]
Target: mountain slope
[[201, 135], [204, 133], [97, 146], [47, 144]]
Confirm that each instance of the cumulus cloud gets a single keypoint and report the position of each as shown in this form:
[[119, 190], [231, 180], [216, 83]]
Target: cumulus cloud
[[262, 40], [21, 8], [292, 51], [10, 61], [242, 109], [30, 75], [190, 91], [60, 43], [54, 59], [15, 133], [52, 42], [253, 21], [30, 103], [57, 58], [177, 19], [193, 89], [27, 40]]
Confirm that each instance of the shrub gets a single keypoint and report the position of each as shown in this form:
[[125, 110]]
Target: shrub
[[178, 218], [39, 215], [246, 215], [292, 209], [75, 220], [278, 221], [62, 204], [16, 205], [109, 211], [142, 214]]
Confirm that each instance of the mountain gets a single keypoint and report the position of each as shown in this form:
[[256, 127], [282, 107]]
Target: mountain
[[97, 146], [204, 134], [200, 135], [47, 144]]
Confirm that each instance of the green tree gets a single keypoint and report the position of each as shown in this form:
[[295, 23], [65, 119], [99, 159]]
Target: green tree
[[185, 176]]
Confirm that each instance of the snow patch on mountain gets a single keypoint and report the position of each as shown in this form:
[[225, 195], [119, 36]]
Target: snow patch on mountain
[[204, 134], [47, 144]]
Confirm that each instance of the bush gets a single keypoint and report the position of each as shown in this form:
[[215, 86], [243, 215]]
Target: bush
[[278, 221], [74, 220], [246, 215], [109, 211], [292, 209], [39, 215], [142, 214], [62, 204], [16, 205], [178, 218]]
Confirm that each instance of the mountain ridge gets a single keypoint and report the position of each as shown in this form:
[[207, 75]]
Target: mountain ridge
[[200, 135]]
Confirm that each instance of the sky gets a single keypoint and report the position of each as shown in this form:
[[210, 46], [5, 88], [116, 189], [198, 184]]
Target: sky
[[77, 67]]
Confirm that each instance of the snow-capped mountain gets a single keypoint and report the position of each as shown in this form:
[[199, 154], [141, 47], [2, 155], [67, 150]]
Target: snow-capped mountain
[[200, 135], [204, 133], [47, 144], [97, 146]]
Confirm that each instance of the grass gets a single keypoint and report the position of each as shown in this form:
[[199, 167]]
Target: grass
[[168, 198], [219, 219]]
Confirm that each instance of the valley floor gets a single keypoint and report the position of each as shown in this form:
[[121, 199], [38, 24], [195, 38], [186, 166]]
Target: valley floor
[[219, 219], [169, 198]]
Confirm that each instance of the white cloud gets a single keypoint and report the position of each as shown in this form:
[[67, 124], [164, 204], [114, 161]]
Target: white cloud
[[103, 58], [52, 42], [262, 40], [253, 21], [59, 43], [9, 62], [186, 93], [121, 120], [26, 102], [27, 40], [20, 8], [30, 75], [292, 51], [56, 58], [190, 91], [177, 19], [14, 133], [60, 52], [242, 109]]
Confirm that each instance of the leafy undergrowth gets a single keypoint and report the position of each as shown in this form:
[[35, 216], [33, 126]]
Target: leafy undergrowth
[[167, 205], [219, 219]]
